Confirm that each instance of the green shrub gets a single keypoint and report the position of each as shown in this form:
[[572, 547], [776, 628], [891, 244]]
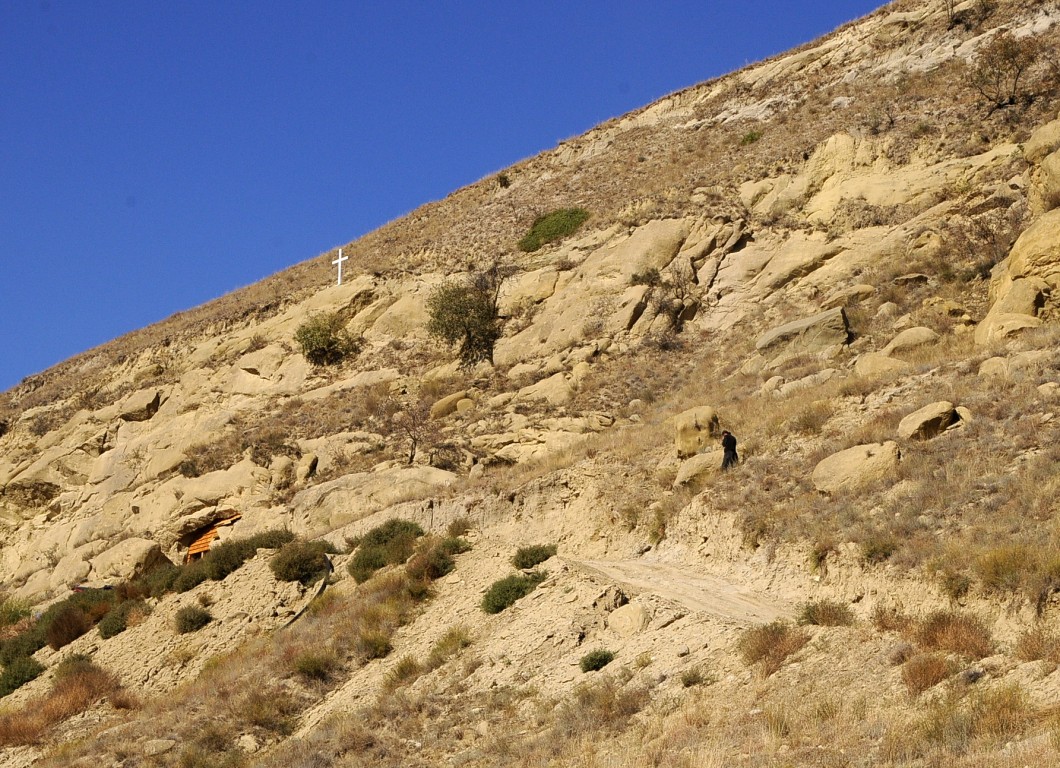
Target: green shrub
[[301, 561], [750, 138], [553, 226], [12, 611], [159, 580], [365, 562], [826, 613], [391, 543], [435, 559], [694, 676], [465, 312], [595, 660], [190, 576], [191, 618], [528, 557], [324, 340], [272, 539], [19, 672], [459, 527], [117, 619], [877, 547], [227, 557], [455, 639], [504, 592]]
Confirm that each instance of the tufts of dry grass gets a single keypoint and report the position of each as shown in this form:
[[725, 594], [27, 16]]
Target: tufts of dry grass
[[955, 632], [926, 670], [826, 613], [77, 686], [769, 645]]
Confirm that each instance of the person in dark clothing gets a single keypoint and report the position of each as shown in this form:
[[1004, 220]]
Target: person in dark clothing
[[728, 442]]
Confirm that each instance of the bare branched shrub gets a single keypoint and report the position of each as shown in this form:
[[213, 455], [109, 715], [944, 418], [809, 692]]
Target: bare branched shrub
[[999, 70]]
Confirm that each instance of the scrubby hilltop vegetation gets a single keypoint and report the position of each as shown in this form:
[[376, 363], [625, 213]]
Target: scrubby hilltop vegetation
[[509, 541]]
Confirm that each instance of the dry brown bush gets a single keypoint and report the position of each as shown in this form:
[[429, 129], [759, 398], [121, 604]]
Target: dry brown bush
[[78, 685], [959, 633], [926, 670], [1038, 644], [770, 645]]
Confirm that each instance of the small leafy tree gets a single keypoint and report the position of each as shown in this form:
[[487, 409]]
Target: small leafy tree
[[465, 312], [324, 340], [1001, 66]]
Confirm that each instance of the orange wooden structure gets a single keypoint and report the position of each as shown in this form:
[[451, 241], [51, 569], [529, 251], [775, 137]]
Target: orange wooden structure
[[201, 544]]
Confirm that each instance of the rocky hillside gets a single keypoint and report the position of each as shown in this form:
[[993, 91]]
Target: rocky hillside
[[848, 256]]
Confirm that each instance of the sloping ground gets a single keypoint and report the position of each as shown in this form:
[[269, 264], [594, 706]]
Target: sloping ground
[[841, 255]]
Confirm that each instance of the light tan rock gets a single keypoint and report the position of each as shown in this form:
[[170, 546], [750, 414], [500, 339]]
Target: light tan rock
[[556, 390], [810, 334], [447, 404], [327, 506], [928, 422], [694, 428], [847, 296], [1037, 251], [910, 338], [1043, 141], [855, 467], [699, 468], [465, 405], [873, 364], [140, 406], [628, 620], [127, 559]]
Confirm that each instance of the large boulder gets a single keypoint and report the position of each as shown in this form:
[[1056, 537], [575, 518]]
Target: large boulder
[[447, 404], [127, 560], [694, 428], [929, 421], [141, 406], [873, 364], [699, 468], [855, 467], [1025, 283], [910, 338], [810, 334]]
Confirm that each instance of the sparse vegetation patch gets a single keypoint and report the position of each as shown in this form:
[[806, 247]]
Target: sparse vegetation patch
[[553, 226], [504, 592]]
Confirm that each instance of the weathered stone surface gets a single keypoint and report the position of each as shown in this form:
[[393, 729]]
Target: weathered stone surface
[[141, 406], [330, 505], [155, 747], [628, 620], [694, 428], [928, 422], [555, 390], [856, 466], [815, 333], [699, 468], [847, 296], [447, 404], [1025, 283], [910, 338], [127, 559], [1044, 140], [874, 364]]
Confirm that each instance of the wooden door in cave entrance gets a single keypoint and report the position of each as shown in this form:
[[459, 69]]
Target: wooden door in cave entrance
[[203, 539]]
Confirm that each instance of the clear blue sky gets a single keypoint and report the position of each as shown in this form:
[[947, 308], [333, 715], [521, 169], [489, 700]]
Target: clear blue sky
[[156, 155]]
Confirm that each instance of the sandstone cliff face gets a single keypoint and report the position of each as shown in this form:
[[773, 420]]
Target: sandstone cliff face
[[829, 280]]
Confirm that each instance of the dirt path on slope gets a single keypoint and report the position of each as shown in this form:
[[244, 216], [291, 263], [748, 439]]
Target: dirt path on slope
[[696, 592]]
